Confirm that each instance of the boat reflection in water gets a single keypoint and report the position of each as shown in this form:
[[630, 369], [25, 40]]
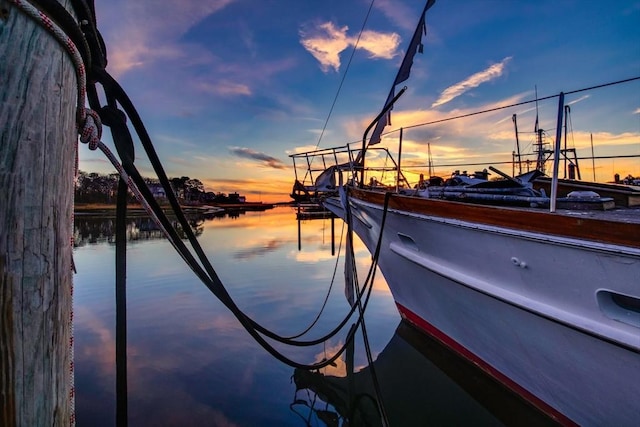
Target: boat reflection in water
[[421, 383]]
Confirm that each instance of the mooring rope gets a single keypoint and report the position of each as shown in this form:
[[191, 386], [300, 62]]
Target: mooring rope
[[90, 131], [89, 127]]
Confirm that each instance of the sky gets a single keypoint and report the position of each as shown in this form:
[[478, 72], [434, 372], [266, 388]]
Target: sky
[[228, 89]]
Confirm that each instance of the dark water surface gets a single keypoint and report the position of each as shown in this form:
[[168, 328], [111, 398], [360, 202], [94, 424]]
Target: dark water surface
[[190, 363]]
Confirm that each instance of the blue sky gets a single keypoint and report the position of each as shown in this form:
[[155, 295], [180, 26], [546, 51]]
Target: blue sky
[[229, 88]]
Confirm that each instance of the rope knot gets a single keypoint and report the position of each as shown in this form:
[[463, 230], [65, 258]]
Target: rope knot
[[91, 132]]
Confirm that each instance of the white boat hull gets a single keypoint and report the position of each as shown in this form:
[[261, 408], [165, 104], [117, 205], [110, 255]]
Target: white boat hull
[[529, 308]]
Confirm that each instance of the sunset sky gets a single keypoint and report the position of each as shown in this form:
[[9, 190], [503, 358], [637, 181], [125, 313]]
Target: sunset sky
[[229, 88]]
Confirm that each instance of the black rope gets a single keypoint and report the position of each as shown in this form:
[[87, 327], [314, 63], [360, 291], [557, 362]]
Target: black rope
[[93, 51], [61, 16], [121, 305], [208, 277]]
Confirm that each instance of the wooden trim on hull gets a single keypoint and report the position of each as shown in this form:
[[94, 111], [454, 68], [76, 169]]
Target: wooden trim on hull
[[440, 336], [535, 221]]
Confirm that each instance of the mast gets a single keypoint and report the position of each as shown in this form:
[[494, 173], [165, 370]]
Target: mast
[[538, 132], [430, 161], [567, 110], [515, 124], [593, 159]]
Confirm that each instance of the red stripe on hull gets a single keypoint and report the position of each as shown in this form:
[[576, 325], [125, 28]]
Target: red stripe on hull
[[484, 366]]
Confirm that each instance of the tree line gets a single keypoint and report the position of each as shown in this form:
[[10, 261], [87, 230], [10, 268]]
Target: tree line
[[92, 187]]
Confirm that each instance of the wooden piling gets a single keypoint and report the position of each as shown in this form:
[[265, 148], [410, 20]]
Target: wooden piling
[[37, 155]]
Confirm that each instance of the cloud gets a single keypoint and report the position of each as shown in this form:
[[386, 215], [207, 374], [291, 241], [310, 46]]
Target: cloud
[[326, 45], [379, 45], [327, 41], [134, 42], [637, 111], [224, 88], [248, 153], [582, 98], [491, 73], [400, 14]]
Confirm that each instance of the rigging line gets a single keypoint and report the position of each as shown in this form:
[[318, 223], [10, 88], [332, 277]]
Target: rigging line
[[344, 76], [475, 113], [489, 110], [508, 162]]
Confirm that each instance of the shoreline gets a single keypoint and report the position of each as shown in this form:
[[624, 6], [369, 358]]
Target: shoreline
[[137, 209]]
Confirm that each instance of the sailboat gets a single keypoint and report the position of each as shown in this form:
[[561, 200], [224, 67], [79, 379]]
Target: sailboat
[[533, 278]]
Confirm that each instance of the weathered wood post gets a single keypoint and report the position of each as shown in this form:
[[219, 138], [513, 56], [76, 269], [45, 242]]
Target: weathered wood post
[[37, 152]]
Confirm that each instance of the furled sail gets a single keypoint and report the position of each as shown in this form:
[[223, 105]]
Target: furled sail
[[403, 72]]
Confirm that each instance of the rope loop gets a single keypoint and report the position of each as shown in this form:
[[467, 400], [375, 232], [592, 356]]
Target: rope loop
[[91, 129]]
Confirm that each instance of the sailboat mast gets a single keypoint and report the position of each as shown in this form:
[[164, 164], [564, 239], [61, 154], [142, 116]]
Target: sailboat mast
[[567, 110], [430, 162], [515, 124], [593, 159], [538, 132]]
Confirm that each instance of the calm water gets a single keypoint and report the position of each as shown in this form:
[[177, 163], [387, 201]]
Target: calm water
[[191, 363]]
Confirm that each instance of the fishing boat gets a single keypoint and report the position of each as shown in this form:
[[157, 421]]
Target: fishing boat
[[533, 278]]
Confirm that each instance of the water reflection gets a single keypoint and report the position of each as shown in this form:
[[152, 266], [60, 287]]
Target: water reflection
[[191, 363], [421, 383], [98, 228]]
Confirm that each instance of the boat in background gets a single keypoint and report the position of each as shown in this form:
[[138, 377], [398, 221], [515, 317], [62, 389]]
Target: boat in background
[[533, 278]]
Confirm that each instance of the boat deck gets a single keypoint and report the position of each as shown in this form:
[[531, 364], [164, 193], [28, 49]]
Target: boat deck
[[619, 214]]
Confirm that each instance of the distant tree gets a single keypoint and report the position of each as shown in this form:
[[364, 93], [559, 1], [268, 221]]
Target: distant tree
[[193, 190], [95, 188]]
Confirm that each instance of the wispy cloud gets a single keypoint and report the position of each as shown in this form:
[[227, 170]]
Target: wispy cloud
[[326, 41], [637, 111], [582, 98], [491, 73], [134, 42], [267, 160], [224, 88], [398, 13]]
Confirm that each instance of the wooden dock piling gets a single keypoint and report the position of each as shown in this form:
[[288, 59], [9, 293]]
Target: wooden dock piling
[[37, 158]]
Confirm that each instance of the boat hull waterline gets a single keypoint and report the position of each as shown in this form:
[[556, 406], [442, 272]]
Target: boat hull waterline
[[533, 309]]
